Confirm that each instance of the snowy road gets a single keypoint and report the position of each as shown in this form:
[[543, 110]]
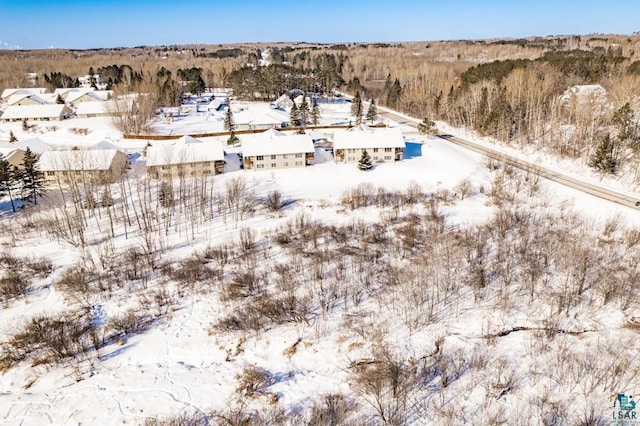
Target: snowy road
[[628, 199]]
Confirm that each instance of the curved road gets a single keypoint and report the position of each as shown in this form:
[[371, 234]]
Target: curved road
[[620, 197]]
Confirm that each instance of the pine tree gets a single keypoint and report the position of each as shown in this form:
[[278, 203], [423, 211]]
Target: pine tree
[[12, 137], [59, 99], [623, 119], [229, 124], [356, 107], [90, 202], [427, 127], [106, 200], [604, 159], [393, 93], [8, 180], [365, 161], [315, 113], [304, 111], [372, 112], [25, 125], [32, 179], [165, 195], [294, 115]]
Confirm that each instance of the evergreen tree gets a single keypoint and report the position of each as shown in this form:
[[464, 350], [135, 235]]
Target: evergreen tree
[[12, 137], [427, 127], [106, 200], [393, 93], [388, 83], [32, 178], [365, 161], [315, 113], [59, 99], [165, 195], [623, 119], [8, 180], [356, 107], [372, 112], [90, 202], [294, 115], [230, 125], [604, 159], [25, 125], [304, 111]]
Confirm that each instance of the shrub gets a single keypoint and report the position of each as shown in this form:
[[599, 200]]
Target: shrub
[[13, 285], [274, 201], [253, 381], [50, 340]]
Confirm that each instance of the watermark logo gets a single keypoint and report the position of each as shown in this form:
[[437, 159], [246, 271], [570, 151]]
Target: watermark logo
[[624, 411]]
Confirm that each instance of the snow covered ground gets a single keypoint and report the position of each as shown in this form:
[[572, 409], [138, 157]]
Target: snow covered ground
[[185, 362]]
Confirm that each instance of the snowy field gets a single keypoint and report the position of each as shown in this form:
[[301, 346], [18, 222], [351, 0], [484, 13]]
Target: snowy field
[[360, 285]]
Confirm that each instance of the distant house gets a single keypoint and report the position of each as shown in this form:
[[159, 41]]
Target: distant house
[[274, 149], [74, 98], [383, 145], [283, 102], [93, 109], [593, 97], [45, 112], [37, 146], [7, 93], [13, 155], [19, 99], [83, 166], [184, 157]]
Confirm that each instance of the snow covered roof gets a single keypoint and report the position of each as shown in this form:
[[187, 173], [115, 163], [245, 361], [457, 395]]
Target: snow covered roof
[[265, 117], [19, 112], [284, 101], [99, 159], [366, 137], [64, 91], [584, 92], [184, 150], [75, 96], [37, 146], [8, 151], [17, 97], [92, 108], [275, 142], [6, 93], [103, 144]]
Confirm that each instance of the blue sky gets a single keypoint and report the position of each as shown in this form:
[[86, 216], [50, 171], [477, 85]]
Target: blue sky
[[32, 24]]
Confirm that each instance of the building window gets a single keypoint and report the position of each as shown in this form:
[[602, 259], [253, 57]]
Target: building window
[[351, 151], [284, 156], [387, 158], [206, 163], [260, 166], [64, 173], [375, 158], [51, 173], [375, 149], [260, 157], [273, 157], [387, 150], [273, 165], [298, 163], [286, 164], [351, 159], [298, 155], [78, 172]]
